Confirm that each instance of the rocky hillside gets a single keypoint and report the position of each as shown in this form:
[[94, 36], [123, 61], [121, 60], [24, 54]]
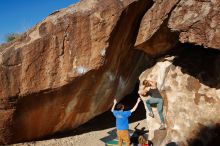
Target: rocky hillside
[[68, 68]]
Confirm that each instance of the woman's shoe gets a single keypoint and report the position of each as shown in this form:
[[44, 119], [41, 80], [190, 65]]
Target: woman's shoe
[[151, 114], [162, 127]]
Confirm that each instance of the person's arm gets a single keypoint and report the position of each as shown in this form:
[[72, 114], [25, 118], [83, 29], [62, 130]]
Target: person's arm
[[140, 89], [113, 107], [136, 105], [143, 90]]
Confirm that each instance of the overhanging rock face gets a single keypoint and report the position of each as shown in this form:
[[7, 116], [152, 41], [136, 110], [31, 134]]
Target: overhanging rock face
[[154, 36], [68, 68], [194, 21]]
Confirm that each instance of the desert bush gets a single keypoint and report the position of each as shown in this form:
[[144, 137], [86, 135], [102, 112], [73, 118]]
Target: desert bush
[[12, 36]]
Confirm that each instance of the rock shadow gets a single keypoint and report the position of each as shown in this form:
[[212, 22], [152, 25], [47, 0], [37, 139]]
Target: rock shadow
[[201, 63], [171, 144], [207, 136]]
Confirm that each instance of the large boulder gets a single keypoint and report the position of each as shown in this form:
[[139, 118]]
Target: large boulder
[[189, 82], [68, 68]]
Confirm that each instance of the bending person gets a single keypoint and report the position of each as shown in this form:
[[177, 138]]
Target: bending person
[[149, 88], [122, 121]]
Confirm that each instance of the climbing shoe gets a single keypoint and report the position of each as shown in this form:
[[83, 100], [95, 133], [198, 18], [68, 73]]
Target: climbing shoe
[[162, 127], [151, 114]]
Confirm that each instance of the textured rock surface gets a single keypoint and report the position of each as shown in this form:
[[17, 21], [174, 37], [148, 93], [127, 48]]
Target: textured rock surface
[[190, 87], [66, 69], [154, 37], [197, 21]]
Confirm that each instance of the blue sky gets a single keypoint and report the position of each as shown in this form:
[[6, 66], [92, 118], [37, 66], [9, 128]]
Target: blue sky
[[20, 15]]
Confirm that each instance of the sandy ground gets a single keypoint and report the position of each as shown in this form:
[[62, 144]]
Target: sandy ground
[[94, 133], [93, 138], [83, 135]]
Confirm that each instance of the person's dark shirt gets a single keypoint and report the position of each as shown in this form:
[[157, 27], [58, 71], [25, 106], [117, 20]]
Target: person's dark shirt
[[155, 93]]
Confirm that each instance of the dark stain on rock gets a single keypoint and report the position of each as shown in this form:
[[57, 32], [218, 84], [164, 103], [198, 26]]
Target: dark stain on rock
[[55, 12], [197, 98], [193, 84], [172, 67], [45, 28], [174, 75], [207, 98]]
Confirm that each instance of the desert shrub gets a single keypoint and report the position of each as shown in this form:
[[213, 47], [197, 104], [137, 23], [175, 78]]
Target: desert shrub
[[12, 36]]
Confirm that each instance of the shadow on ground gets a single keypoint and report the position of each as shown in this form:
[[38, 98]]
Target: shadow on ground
[[105, 120]]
